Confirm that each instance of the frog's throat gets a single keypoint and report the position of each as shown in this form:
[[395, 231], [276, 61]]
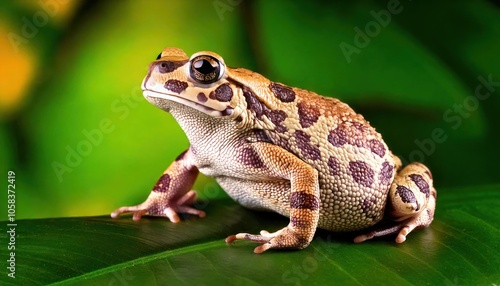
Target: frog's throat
[[183, 101]]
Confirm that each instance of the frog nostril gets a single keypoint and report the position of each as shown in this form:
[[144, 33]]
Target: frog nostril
[[169, 66], [159, 56], [165, 67]]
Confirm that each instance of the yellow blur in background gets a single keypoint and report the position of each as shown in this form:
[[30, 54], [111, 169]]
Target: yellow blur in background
[[82, 141]]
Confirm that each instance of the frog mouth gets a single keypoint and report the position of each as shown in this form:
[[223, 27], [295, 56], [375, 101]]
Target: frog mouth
[[189, 103]]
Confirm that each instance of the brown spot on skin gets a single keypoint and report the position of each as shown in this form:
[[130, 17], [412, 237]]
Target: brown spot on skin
[[377, 147], [224, 93], [421, 184], [368, 206], [211, 95], [334, 166], [170, 66], [303, 143], [301, 200], [386, 173], [163, 184], [259, 135], [201, 97], [253, 102], [282, 92], [249, 157], [368, 202], [338, 136], [176, 86], [406, 195], [359, 126], [361, 173], [282, 142], [255, 105], [357, 135], [308, 114], [276, 117]]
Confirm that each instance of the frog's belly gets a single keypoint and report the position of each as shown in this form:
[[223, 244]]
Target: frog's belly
[[340, 210], [259, 195]]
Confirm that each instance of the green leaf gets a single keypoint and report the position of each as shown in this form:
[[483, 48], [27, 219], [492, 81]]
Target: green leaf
[[460, 248]]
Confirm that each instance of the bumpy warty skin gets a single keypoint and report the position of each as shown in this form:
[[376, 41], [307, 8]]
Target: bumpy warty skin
[[283, 149]]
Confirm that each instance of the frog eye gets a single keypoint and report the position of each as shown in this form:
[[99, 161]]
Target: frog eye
[[206, 69], [159, 56]]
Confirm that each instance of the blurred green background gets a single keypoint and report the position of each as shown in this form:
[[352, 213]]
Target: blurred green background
[[83, 141]]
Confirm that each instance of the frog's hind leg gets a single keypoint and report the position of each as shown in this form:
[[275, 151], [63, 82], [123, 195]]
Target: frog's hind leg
[[411, 203]]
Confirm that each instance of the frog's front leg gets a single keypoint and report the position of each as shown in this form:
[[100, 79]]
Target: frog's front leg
[[303, 200], [171, 194], [411, 203]]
